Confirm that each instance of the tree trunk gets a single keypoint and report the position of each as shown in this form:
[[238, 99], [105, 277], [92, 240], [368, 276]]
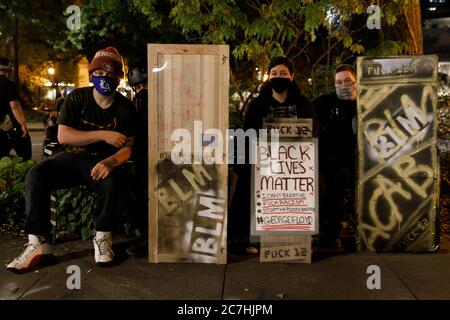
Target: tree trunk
[[16, 50], [414, 35], [408, 29]]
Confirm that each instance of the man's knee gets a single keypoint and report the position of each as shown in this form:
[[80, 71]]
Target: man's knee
[[41, 173], [35, 174]]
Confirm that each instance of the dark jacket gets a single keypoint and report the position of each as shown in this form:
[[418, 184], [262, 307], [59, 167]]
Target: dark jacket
[[337, 120]]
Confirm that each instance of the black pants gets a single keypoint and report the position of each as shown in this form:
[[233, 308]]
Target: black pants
[[239, 212], [65, 170], [337, 180], [136, 185], [11, 140]]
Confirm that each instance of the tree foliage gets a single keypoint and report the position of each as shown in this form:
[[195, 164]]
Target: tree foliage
[[12, 189], [313, 33], [128, 25], [28, 33], [317, 35]]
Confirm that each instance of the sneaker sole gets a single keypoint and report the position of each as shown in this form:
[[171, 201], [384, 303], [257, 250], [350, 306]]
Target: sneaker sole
[[42, 260]]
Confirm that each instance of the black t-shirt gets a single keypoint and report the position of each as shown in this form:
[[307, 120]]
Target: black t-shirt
[[8, 93], [81, 112], [337, 119]]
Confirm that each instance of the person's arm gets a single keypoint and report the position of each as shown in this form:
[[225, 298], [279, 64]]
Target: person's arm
[[20, 117], [68, 122], [128, 126], [309, 112], [102, 169], [252, 117], [319, 105], [316, 123], [74, 137]]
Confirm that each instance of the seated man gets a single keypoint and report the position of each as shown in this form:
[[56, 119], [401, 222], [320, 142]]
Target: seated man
[[97, 125]]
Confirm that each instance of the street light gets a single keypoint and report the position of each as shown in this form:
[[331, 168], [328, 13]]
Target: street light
[[51, 72]]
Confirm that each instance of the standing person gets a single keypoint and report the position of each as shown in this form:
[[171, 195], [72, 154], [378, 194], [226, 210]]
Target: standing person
[[97, 125], [337, 149], [280, 97], [50, 122], [137, 78], [60, 100], [13, 133]]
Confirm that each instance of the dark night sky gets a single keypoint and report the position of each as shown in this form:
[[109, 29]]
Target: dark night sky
[[442, 8]]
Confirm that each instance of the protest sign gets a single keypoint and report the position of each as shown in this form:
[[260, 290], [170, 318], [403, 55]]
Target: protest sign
[[285, 193]]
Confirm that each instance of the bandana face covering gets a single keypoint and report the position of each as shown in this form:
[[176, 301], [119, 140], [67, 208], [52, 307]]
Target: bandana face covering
[[346, 91], [280, 84], [105, 85]]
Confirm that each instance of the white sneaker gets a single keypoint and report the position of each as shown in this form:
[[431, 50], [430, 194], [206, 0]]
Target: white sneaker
[[36, 252], [103, 252]]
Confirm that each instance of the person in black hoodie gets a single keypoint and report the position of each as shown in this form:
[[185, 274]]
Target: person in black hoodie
[[337, 152], [280, 97]]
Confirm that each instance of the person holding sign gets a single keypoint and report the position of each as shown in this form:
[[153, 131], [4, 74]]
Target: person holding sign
[[280, 97], [97, 125], [337, 149]]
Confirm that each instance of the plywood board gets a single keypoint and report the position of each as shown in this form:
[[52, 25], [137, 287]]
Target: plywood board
[[188, 94], [397, 189]]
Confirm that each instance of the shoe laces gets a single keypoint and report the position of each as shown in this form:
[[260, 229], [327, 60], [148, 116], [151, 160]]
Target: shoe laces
[[29, 250], [104, 246]]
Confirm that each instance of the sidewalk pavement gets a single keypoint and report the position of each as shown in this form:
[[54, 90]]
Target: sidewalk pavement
[[35, 126], [338, 276]]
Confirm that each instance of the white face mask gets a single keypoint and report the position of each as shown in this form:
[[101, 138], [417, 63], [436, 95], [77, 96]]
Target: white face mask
[[345, 85], [346, 91]]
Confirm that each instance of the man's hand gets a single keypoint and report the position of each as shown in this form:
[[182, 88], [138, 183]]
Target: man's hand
[[24, 131], [115, 139], [19, 116], [102, 169]]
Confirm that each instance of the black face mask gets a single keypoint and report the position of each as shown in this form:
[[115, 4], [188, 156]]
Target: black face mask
[[280, 84]]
